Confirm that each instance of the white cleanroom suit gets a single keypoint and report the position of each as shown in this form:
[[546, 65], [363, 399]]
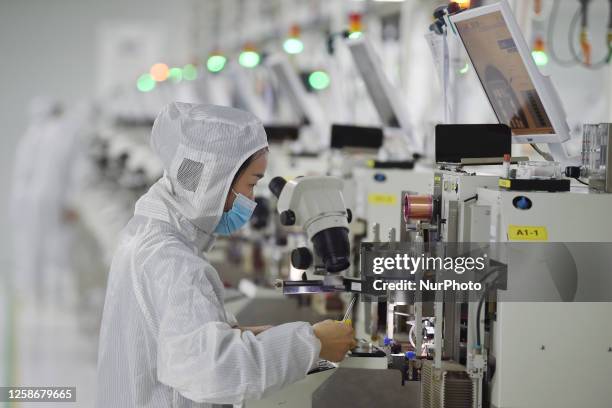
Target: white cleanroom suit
[[166, 338]]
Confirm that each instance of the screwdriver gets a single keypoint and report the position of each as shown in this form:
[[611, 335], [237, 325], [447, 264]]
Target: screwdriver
[[347, 316]]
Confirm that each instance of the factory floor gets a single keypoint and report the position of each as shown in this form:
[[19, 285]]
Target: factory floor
[[50, 349]]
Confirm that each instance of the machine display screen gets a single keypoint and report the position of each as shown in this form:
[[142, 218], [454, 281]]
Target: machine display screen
[[503, 74], [286, 85], [375, 88]]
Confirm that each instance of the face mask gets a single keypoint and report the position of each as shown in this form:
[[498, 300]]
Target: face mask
[[237, 216]]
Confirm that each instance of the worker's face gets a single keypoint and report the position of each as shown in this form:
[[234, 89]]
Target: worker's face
[[246, 182]]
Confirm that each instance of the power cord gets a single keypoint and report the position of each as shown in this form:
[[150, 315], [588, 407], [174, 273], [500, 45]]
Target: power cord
[[554, 13], [546, 156], [581, 14], [580, 181]]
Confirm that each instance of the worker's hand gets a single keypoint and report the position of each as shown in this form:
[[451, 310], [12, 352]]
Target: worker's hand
[[337, 338], [256, 329]]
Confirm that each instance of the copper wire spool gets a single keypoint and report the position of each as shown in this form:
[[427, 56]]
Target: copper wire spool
[[418, 208]]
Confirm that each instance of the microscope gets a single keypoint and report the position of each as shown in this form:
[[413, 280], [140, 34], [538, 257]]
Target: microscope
[[316, 204]]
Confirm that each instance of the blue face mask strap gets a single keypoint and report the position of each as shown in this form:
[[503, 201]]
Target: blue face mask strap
[[224, 219], [226, 223]]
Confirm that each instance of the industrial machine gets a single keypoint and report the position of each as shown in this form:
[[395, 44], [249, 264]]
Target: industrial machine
[[547, 240], [313, 121], [505, 349], [299, 155], [597, 156], [401, 165], [388, 103]]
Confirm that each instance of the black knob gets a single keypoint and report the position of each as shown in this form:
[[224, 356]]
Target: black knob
[[287, 217], [349, 215], [301, 258], [572, 171], [276, 185]]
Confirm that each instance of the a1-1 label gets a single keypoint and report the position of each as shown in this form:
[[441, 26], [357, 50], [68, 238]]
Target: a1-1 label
[[527, 233]]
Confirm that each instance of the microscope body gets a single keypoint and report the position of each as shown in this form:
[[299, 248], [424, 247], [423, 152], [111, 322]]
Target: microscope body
[[316, 205]]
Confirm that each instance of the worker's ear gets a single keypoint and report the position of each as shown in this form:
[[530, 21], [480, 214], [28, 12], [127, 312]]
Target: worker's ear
[[229, 200]]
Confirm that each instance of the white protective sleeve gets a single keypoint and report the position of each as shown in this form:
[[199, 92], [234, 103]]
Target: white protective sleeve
[[201, 356]]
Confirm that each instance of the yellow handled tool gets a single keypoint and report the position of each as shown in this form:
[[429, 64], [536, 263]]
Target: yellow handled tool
[[347, 316]]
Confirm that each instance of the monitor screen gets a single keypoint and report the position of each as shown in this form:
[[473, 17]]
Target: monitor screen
[[365, 63], [503, 74], [289, 88]]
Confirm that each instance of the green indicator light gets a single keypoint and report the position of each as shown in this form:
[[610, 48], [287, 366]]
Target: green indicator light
[[318, 80], [540, 58], [190, 72], [465, 69], [216, 63], [355, 34], [145, 83], [175, 75], [293, 46], [249, 59]]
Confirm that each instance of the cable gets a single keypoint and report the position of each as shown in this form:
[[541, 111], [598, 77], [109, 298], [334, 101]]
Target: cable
[[331, 37], [546, 156], [571, 37], [410, 333], [580, 181], [481, 302], [550, 34]]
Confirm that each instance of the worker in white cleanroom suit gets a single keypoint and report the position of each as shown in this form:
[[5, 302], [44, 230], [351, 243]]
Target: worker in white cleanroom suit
[[29, 210], [48, 171], [166, 339]]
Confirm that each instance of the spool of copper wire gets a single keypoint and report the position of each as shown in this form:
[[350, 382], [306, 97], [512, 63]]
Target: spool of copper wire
[[418, 208]]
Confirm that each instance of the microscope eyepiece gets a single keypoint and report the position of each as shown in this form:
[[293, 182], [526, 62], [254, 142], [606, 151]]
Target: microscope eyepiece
[[276, 185]]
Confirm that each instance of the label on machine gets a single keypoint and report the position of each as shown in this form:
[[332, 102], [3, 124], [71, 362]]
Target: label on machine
[[504, 183], [527, 233], [382, 199]]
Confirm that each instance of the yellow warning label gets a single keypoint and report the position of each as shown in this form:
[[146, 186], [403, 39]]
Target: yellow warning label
[[504, 183], [382, 199], [527, 233]]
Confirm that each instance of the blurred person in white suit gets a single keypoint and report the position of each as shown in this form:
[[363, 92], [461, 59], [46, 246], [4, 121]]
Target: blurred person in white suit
[[45, 181]]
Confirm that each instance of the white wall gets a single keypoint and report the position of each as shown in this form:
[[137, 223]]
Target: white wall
[[48, 47]]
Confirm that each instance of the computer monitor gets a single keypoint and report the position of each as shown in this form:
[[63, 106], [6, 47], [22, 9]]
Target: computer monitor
[[384, 96], [289, 81], [520, 95]]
